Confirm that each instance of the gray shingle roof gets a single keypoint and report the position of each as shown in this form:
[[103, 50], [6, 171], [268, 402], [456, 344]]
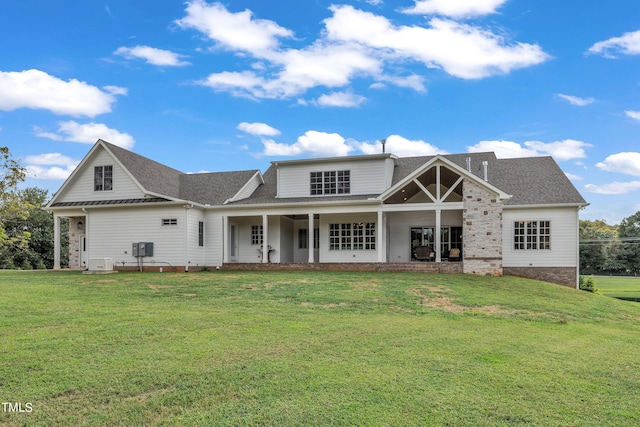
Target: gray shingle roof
[[204, 188], [153, 176], [531, 181], [213, 188]]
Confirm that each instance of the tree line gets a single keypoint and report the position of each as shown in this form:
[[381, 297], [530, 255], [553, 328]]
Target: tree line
[[26, 230], [610, 249]]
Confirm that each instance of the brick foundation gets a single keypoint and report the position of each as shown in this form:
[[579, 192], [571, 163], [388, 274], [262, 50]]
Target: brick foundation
[[423, 267], [565, 276]]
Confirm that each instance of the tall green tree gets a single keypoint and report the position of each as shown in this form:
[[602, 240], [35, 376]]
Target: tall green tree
[[38, 252], [629, 254], [11, 204], [598, 244]]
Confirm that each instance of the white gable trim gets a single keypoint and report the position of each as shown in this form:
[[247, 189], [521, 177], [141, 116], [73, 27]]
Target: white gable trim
[[237, 197], [82, 165], [439, 159]]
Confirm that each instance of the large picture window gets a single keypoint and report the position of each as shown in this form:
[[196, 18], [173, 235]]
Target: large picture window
[[103, 178], [356, 236], [532, 235], [330, 182]]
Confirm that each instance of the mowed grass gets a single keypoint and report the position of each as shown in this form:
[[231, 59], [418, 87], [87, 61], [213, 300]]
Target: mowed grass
[[314, 348], [618, 287]]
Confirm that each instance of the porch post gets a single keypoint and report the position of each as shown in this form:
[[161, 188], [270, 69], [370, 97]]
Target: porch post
[[437, 236], [311, 244], [56, 242], [380, 238], [265, 238], [225, 239]]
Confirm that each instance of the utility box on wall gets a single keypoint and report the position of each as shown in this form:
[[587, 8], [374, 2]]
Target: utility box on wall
[[142, 249]]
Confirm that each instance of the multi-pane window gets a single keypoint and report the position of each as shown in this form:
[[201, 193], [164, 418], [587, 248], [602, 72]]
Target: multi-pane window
[[330, 182], [256, 235], [103, 178], [334, 237], [531, 235], [200, 233], [356, 236]]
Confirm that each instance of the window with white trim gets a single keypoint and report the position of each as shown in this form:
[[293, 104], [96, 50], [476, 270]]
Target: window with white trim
[[200, 233], [356, 236], [532, 235], [330, 182], [256, 235], [103, 178]]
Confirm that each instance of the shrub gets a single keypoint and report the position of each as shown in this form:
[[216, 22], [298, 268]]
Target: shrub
[[587, 284]]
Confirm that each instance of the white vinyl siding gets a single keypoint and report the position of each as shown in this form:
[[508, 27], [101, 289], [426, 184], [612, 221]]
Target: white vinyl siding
[[114, 230], [365, 177], [248, 189], [563, 228], [196, 254], [82, 186]]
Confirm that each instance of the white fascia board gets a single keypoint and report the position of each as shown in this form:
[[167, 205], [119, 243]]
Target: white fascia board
[[76, 171], [547, 206], [234, 198], [449, 164]]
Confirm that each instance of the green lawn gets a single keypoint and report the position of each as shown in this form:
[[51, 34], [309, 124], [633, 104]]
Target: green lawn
[[619, 287], [314, 348]]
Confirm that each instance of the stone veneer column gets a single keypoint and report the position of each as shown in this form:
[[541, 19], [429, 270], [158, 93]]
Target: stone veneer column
[[481, 231]]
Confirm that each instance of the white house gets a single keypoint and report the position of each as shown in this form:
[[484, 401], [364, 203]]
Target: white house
[[470, 213]]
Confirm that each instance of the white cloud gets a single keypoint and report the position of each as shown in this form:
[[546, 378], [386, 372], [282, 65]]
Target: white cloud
[[50, 166], [401, 147], [503, 149], [153, 56], [88, 133], [38, 90], [633, 114], [561, 150], [461, 50], [355, 44], [627, 44], [341, 99], [573, 177], [116, 90], [260, 129], [567, 149], [613, 188], [627, 163], [234, 31], [455, 8], [313, 143], [574, 100]]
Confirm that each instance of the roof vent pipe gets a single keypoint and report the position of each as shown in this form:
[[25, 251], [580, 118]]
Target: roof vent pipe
[[383, 141], [468, 164], [485, 170]]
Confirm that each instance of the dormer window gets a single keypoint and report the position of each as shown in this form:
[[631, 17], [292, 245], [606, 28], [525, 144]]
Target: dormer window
[[330, 182], [103, 178]]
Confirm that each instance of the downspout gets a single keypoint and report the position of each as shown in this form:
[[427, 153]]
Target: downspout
[[86, 238], [578, 247], [186, 237]]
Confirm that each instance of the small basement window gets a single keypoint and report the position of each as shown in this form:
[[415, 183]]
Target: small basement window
[[170, 221]]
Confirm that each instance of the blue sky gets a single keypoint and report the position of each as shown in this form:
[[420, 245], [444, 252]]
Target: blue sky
[[218, 86]]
